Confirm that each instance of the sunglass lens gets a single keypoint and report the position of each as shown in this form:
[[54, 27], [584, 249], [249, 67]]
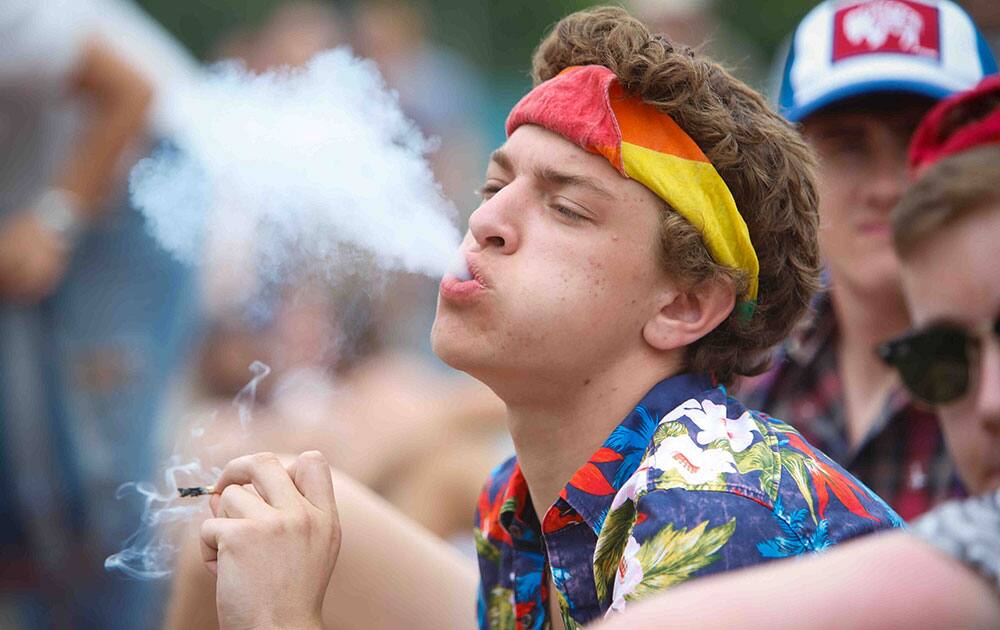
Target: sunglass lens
[[934, 365]]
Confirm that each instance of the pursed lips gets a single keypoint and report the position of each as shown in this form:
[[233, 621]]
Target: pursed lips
[[459, 290]]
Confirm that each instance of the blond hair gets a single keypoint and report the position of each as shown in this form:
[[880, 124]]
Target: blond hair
[[763, 160], [950, 189]]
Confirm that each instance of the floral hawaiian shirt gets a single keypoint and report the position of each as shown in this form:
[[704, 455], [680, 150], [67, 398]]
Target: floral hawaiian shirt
[[689, 484]]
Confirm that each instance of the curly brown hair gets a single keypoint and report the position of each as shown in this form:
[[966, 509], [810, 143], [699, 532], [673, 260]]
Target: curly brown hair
[[761, 157]]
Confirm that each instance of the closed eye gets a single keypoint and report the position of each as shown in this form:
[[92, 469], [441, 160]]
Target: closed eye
[[567, 213], [487, 190]]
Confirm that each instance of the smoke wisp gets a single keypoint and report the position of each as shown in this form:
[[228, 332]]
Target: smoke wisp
[[152, 551]]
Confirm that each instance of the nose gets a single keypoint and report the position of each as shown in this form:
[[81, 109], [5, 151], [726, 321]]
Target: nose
[[888, 179], [493, 225], [988, 394]]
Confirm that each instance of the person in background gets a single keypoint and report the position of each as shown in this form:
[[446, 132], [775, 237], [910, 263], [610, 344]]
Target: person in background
[[944, 573], [696, 23], [92, 314], [858, 77]]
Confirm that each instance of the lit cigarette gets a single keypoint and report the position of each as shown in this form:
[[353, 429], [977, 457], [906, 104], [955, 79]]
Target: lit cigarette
[[196, 491]]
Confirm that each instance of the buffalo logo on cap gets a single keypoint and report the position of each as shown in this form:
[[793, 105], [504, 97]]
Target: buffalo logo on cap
[[886, 26]]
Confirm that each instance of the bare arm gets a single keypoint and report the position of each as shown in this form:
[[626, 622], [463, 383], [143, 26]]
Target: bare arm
[[390, 574], [120, 98], [886, 581], [34, 250]]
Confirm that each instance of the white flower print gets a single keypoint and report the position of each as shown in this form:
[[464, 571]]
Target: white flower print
[[715, 424], [632, 486], [628, 576], [695, 465]]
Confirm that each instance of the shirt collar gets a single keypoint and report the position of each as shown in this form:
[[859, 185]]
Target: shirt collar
[[592, 488]]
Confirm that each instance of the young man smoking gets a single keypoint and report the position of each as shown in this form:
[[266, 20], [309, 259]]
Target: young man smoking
[[647, 234]]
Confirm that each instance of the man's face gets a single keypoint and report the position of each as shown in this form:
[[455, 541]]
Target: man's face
[[564, 252], [862, 174], [954, 277]]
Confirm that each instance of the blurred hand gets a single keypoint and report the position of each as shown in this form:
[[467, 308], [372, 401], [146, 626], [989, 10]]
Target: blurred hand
[[273, 542], [32, 259]]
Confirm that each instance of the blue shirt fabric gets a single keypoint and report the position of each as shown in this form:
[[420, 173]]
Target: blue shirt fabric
[[690, 483]]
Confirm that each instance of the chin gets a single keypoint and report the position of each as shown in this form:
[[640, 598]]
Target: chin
[[452, 344], [875, 274]]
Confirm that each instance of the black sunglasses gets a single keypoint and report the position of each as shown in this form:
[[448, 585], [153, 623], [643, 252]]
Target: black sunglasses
[[936, 364]]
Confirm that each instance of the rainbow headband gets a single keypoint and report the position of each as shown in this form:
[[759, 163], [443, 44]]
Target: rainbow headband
[[589, 107]]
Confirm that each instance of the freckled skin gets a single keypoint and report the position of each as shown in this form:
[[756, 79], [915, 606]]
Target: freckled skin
[[954, 276], [563, 296]]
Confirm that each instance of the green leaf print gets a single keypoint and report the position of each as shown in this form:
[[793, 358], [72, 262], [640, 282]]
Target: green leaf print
[[672, 556], [610, 547], [486, 549], [500, 609], [795, 463], [665, 430], [759, 458], [568, 622]]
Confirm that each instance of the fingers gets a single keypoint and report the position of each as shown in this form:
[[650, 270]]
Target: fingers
[[311, 474], [268, 476], [210, 534], [240, 502]]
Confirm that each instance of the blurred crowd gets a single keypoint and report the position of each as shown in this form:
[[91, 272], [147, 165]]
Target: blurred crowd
[[111, 351]]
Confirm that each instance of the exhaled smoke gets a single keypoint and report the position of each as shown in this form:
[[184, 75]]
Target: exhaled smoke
[[316, 167], [314, 172]]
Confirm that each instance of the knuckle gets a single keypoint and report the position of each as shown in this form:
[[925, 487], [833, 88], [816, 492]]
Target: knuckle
[[227, 497], [264, 457], [242, 535], [296, 520], [275, 526]]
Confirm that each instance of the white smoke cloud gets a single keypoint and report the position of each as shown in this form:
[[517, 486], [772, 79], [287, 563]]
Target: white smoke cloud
[[311, 171], [318, 165]]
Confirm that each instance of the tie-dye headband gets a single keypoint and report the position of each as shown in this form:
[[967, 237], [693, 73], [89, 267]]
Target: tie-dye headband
[[588, 106]]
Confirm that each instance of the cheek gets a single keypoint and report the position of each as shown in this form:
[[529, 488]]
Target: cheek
[[963, 438]]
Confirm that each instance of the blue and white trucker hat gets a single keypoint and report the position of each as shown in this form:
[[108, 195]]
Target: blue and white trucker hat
[[846, 48]]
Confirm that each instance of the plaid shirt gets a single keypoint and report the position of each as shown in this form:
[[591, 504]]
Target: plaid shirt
[[903, 458], [691, 483]]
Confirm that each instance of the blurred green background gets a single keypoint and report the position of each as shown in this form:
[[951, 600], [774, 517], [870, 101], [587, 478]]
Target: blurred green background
[[496, 35]]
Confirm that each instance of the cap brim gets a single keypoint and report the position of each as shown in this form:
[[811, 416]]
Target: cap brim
[[919, 88]]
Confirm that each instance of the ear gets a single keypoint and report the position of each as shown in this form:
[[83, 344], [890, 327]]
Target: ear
[[685, 316]]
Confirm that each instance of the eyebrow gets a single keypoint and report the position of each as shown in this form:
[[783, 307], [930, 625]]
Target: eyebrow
[[501, 159], [554, 176]]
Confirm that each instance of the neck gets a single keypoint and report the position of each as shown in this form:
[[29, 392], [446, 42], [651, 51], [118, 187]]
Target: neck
[[561, 424], [864, 321]]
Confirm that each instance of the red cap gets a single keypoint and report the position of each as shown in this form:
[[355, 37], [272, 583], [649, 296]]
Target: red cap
[[929, 143]]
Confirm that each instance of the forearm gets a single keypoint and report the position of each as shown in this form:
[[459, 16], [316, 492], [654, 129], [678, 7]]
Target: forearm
[[119, 99], [884, 581], [392, 573]]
